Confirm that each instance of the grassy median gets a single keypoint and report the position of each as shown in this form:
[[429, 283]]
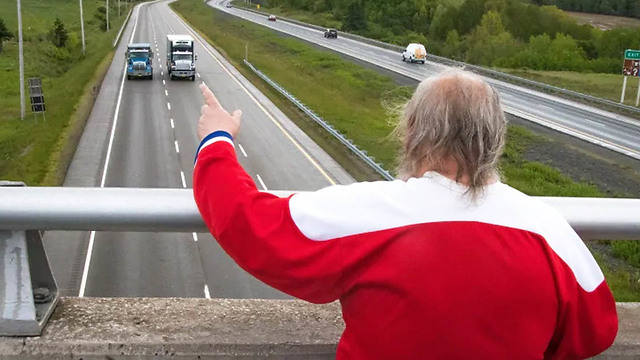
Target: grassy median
[[35, 150], [361, 103]]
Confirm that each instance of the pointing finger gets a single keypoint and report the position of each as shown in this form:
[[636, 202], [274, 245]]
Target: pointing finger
[[209, 98]]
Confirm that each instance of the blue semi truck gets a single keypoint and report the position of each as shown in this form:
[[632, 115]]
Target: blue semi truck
[[139, 59]]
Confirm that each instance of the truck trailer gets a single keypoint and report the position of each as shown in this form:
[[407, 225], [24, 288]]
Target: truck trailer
[[181, 59], [139, 58]]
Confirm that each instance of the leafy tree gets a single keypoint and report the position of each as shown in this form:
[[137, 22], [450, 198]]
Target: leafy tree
[[100, 17], [355, 19], [5, 34], [58, 33]]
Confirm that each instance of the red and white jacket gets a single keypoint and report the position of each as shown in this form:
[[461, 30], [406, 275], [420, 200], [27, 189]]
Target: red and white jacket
[[421, 273]]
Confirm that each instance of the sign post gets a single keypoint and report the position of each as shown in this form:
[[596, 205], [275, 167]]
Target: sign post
[[37, 97], [631, 67]]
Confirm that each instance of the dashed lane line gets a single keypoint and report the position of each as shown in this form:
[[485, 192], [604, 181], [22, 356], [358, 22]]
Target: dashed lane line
[[264, 187], [242, 149]]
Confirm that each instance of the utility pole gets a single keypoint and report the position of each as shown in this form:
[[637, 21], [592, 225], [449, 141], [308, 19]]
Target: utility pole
[[21, 60], [82, 26], [107, 15]]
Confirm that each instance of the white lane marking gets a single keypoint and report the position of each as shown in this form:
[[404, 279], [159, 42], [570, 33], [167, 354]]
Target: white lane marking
[[195, 237], [163, 82], [206, 292], [172, 126], [177, 147], [92, 235], [160, 66], [264, 187], [184, 181], [599, 124], [169, 106], [242, 149], [166, 93], [162, 74], [198, 74], [295, 143]]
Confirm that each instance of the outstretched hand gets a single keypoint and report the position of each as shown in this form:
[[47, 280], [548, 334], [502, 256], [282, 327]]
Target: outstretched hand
[[214, 117]]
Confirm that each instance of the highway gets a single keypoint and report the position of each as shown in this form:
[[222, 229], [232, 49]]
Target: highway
[[148, 132], [613, 131]]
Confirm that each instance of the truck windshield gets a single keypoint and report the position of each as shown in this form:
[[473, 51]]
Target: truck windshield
[[139, 55], [181, 57]]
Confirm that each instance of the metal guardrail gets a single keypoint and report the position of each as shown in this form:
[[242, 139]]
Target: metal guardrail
[[369, 160], [174, 210], [28, 295], [516, 80]]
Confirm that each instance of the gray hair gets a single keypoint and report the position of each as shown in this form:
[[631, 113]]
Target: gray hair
[[456, 115]]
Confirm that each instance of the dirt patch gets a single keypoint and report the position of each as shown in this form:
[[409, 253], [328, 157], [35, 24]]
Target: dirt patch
[[604, 22]]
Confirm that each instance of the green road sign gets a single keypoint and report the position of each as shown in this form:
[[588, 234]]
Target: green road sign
[[632, 54]]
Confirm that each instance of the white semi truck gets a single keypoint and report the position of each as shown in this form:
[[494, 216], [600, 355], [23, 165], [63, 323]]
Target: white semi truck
[[181, 58]]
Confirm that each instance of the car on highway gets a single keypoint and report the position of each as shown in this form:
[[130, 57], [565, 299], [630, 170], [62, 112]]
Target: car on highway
[[228, 5], [272, 18], [415, 53], [331, 33]]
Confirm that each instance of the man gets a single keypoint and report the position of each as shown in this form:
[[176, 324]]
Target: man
[[446, 263]]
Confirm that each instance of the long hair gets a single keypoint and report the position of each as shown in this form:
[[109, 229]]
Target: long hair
[[456, 115]]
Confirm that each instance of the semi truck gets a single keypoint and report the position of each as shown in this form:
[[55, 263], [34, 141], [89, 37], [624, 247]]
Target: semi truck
[[139, 58], [181, 58]]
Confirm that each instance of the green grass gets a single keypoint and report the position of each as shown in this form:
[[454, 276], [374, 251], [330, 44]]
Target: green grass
[[36, 151], [364, 105], [606, 86]]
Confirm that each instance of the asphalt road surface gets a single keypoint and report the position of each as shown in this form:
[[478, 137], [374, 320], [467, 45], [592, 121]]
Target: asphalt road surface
[[146, 136], [613, 131]]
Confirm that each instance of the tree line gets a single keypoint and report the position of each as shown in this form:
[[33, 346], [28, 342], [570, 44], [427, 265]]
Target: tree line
[[499, 33]]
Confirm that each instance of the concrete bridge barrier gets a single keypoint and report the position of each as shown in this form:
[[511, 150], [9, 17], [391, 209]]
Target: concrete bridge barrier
[[127, 328]]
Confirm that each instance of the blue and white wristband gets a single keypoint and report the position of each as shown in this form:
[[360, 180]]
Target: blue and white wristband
[[214, 137]]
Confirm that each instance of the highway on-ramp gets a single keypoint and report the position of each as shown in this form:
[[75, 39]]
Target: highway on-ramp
[[613, 131], [150, 141]]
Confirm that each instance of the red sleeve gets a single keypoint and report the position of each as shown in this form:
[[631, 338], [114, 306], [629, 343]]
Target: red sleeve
[[587, 321], [256, 229]]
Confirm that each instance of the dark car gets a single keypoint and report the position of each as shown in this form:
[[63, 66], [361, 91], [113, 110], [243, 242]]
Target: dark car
[[272, 18], [331, 33]]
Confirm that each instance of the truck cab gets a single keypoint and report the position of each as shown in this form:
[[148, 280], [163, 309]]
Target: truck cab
[[139, 59], [181, 59]]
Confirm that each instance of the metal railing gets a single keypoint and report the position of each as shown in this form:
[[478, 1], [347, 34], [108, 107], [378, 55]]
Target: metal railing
[[174, 210], [498, 75], [30, 297], [362, 154]]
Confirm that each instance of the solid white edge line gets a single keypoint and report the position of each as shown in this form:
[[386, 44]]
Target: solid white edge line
[[92, 235], [195, 237], [207, 295], [242, 149], [172, 125], [184, 181], [289, 136], [264, 187], [175, 142]]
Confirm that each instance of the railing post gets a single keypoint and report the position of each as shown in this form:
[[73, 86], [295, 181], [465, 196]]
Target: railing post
[[28, 291]]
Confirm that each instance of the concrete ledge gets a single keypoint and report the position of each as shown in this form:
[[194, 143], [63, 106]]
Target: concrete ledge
[[120, 328]]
